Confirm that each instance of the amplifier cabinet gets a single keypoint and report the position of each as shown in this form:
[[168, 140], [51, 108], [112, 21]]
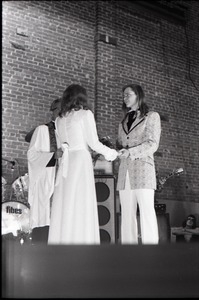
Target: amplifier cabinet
[[106, 202]]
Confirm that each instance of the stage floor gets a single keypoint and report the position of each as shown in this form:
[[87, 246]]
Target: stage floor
[[105, 271]]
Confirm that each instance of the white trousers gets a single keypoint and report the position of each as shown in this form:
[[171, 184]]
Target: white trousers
[[148, 220]]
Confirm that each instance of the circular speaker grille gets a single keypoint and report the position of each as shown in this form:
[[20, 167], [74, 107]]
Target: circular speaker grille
[[102, 191], [103, 214], [104, 236]]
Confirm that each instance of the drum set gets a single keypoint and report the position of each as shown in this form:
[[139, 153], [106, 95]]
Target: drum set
[[15, 212]]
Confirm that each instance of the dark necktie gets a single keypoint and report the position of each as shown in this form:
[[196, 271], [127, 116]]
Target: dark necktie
[[131, 119], [53, 143], [53, 124]]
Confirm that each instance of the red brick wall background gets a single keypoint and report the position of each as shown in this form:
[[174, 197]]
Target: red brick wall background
[[47, 45]]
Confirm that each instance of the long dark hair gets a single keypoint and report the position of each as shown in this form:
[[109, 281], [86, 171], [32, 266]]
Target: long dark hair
[[74, 97], [193, 218], [137, 89]]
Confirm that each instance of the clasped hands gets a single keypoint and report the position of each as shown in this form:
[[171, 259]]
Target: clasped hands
[[123, 153]]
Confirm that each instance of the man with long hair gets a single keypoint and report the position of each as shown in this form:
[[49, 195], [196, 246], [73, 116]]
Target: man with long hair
[[138, 138]]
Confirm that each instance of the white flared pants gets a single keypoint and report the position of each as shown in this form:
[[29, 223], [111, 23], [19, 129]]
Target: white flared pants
[[148, 220]]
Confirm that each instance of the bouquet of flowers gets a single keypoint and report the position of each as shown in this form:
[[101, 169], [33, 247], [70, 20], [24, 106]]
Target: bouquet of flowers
[[105, 141]]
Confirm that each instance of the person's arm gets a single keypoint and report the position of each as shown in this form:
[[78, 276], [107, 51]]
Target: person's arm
[[29, 135], [151, 143], [119, 139], [38, 154], [57, 154], [93, 140]]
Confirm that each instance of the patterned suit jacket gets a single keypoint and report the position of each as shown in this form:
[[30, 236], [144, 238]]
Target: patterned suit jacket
[[142, 141]]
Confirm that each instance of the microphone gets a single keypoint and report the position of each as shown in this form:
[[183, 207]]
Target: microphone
[[13, 164]]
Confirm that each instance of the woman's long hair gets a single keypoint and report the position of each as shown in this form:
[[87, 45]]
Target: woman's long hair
[[137, 89], [74, 97]]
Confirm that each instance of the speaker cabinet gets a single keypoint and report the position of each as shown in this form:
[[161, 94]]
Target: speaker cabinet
[[106, 201], [164, 228], [40, 235]]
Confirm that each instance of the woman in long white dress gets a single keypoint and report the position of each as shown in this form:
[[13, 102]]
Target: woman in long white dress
[[74, 215]]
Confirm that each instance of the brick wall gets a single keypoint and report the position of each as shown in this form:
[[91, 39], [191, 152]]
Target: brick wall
[[56, 50], [103, 45]]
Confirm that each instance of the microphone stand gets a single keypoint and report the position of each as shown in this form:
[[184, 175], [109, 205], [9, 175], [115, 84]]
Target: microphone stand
[[11, 162]]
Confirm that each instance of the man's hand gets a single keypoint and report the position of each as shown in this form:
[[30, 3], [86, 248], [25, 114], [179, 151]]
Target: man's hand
[[58, 153], [124, 153]]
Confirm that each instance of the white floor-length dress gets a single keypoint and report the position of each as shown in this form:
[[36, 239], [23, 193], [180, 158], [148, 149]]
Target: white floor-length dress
[[74, 215]]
